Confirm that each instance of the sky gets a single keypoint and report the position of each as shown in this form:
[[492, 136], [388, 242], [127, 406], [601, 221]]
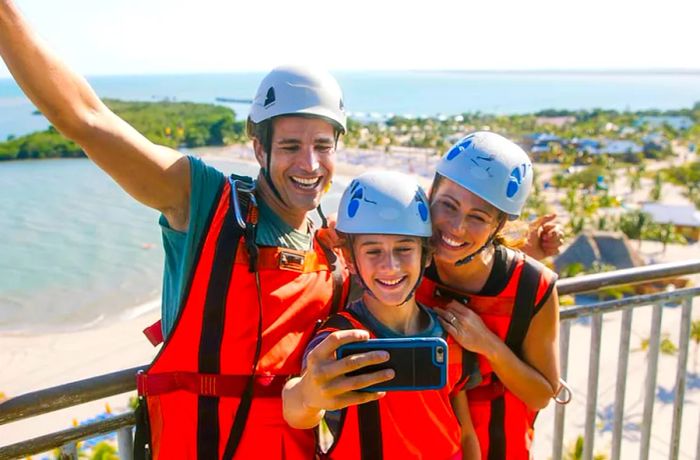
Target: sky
[[107, 37]]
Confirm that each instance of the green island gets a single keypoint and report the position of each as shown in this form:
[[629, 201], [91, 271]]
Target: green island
[[598, 169], [174, 124]]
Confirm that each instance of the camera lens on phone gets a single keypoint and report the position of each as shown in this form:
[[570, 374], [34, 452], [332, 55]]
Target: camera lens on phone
[[440, 354]]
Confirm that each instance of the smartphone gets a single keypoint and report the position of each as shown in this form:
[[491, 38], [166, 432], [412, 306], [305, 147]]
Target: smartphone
[[419, 363]]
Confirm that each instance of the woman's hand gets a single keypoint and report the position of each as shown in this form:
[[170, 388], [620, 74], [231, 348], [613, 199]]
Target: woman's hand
[[545, 237], [324, 384], [466, 327]]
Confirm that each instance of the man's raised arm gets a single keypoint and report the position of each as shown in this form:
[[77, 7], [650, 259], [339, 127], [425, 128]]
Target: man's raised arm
[[155, 175]]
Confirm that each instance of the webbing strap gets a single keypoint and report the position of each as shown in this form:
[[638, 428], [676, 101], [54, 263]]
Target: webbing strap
[[470, 368], [521, 317], [154, 333], [368, 419], [497, 435], [218, 385], [337, 273], [370, 425], [337, 322], [239, 421], [524, 307], [213, 331], [142, 434]]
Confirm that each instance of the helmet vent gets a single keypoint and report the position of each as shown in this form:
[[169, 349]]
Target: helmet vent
[[270, 97]]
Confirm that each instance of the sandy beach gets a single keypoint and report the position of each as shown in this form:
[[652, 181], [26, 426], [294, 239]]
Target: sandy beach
[[33, 362]]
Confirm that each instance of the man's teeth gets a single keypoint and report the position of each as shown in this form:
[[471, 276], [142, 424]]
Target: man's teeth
[[391, 282], [451, 242], [306, 182]]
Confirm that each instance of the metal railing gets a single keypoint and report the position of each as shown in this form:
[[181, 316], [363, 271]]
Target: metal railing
[[71, 394]]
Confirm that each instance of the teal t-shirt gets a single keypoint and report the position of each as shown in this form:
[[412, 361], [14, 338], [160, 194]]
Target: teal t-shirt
[[180, 247]]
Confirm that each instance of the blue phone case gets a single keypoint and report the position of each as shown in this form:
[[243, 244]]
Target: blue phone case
[[420, 363]]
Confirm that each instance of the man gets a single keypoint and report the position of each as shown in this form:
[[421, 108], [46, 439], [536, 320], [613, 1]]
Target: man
[[245, 283]]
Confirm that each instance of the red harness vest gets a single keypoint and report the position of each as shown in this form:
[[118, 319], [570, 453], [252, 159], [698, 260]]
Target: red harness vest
[[235, 314], [403, 424], [503, 423]]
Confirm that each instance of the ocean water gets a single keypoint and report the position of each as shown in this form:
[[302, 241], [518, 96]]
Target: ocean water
[[75, 250], [408, 93]]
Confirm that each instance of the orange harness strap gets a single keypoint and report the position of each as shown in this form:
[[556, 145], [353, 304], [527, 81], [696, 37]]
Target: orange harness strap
[[265, 386]]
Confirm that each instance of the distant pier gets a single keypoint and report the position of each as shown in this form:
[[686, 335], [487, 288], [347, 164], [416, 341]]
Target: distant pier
[[234, 100]]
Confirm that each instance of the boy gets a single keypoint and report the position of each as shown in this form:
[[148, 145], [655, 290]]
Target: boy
[[385, 219]]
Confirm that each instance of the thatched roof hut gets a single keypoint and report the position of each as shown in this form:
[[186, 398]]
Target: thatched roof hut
[[599, 248]]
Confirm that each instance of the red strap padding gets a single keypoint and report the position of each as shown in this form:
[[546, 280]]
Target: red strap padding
[[487, 392], [154, 333], [265, 386]]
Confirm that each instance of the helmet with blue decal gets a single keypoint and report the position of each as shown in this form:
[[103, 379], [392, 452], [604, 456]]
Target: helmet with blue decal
[[491, 167], [384, 202]]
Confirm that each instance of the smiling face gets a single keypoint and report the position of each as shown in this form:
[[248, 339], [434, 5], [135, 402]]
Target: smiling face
[[462, 222], [390, 266], [302, 160]]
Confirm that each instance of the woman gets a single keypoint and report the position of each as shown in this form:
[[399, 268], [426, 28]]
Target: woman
[[493, 300]]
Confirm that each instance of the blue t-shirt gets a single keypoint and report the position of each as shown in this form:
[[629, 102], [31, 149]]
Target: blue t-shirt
[[181, 247]]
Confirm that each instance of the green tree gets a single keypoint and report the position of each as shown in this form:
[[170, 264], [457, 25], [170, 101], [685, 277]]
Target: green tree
[[104, 451], [695, 337], [656, 189], [633, 224], [575, 451]]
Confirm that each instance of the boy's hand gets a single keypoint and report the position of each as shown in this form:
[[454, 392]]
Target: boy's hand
[[324, 385]]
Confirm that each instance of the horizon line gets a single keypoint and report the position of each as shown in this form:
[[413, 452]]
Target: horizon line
[[540, 71]]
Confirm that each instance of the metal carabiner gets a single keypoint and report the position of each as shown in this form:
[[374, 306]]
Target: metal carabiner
[[245, 188], [563, 386]]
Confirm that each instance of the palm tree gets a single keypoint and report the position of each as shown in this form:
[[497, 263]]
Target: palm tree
[[655, 192], [633, 224]]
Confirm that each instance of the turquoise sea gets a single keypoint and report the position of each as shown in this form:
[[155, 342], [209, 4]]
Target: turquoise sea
[[76, 250], [407, 93]]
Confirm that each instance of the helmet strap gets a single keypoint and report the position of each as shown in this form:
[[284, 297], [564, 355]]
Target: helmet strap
[[365, 288], [488, 243], [423, 260], [324, 221], [267, 146]]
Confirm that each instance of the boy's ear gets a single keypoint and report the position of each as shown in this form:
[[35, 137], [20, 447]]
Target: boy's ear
[[347, 255]]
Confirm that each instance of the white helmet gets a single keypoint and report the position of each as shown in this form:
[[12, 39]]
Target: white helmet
[[299, 90], [384, 202], [491, 167]]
